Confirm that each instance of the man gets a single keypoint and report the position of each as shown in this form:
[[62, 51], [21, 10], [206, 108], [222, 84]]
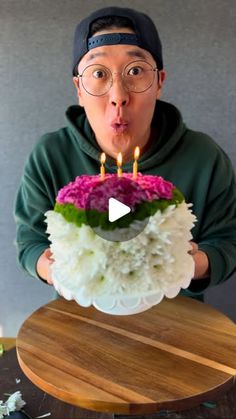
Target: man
[[118, 76]]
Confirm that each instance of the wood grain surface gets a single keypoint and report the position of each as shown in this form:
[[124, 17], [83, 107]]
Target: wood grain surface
[[39, 403], [174, 356]]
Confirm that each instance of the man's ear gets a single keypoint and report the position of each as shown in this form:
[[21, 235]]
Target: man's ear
[[161, 79], [78, 91]]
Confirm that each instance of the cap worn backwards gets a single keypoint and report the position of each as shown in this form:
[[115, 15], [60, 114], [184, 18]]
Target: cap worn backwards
[[146, 35]]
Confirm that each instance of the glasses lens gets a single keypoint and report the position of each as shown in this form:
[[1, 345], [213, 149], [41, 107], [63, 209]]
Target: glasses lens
[[96, 79], [138, 76]]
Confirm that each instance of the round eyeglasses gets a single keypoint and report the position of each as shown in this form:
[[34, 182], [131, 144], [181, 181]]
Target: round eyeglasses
[[137, 77]]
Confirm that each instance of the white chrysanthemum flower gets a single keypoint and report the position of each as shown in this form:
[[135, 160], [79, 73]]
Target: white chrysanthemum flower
[[156, 260], [3, 410], [15, 402]]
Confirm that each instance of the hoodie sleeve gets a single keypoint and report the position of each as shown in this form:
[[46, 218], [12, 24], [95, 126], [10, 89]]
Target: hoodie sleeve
[[217, 233], [35, 196]]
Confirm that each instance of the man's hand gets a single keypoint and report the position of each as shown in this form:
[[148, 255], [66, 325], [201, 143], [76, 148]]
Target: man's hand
[[201, 262], [44, 266]]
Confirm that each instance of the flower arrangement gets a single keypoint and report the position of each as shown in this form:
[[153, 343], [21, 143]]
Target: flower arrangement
[[90, 267], [144, 197]]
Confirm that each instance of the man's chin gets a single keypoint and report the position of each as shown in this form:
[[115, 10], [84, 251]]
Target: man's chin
[[117, 144], [120, 142], [122, 148]]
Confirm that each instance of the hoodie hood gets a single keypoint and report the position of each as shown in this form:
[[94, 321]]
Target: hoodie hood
[[167, 125]]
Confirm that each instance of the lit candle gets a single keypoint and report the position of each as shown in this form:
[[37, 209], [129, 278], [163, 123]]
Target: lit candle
[[135, 164], [102, 168], [119, 164]]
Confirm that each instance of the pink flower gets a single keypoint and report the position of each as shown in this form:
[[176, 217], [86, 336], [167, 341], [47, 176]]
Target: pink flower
[[90, 192]]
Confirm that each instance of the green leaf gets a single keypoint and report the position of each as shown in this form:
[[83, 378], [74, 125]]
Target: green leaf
[[2, 349], [94, 218], [210, 405]]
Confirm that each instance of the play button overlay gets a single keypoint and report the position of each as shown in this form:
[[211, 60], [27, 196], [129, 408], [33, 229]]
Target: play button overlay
[[116, 210], [113, 209]]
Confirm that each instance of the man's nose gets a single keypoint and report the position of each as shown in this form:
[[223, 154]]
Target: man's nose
[[119, 95]]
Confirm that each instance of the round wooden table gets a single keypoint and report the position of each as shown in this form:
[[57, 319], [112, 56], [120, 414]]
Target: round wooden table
[[174, 356]]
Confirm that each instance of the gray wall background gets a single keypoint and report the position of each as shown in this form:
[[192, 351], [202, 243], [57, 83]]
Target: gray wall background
[[35, 57]]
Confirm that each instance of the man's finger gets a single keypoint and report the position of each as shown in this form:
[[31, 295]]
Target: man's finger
[[194, 248]]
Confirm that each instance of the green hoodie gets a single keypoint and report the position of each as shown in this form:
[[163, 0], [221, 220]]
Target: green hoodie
[[191, 160]]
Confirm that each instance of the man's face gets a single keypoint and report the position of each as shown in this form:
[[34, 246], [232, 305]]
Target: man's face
[[120, 119]]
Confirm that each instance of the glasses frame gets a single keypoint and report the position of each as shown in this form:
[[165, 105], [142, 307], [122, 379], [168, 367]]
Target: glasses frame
[[154, 69]]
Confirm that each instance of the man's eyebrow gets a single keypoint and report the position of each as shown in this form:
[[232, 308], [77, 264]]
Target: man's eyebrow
[[137, 53], [132, 53], [95, 55]]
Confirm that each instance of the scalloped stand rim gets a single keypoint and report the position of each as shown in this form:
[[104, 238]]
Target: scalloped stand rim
[[121, 306]]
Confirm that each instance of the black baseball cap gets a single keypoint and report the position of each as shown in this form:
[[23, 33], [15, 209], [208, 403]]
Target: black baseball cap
[[146, 35]]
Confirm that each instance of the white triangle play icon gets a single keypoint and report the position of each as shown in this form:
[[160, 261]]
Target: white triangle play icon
[[117, 209]]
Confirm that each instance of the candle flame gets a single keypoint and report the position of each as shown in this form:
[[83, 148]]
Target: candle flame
[[136, 153], [103, 158], [119, 160]]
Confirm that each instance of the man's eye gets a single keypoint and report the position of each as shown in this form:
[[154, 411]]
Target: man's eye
[[99, 74], [135, 71]]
